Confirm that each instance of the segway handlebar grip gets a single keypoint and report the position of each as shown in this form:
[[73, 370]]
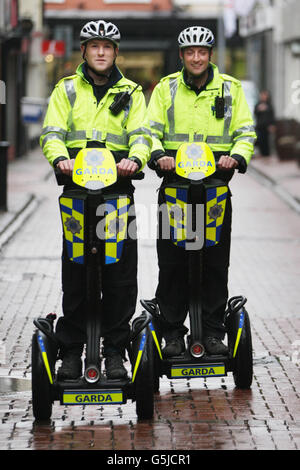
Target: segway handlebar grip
[[61, 178], [138, 176], [236, 303]]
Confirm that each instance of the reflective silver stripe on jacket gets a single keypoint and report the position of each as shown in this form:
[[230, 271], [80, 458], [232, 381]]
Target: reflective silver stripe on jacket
[[171, 136], [53, 133], [139, 131], [97, 135], [52, 136], [237, 135], [228, 109], [173, 84], [70, 91], [176, 137], [71, 94], [141, 140], [219, 139], [117, 139], [252, 140], [77, 135], [126, 111], [55, 129], [157, 126]]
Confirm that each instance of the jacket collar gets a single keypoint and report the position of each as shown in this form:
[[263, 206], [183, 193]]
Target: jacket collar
[[116, 77], [212, 81]]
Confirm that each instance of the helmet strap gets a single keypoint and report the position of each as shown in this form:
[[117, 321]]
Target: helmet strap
[[84, 51], [196, 80], [99, 74]]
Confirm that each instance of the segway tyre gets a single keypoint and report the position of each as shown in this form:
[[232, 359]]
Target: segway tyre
[[144, 380], [156, 368], [243, 360], [41, 387]]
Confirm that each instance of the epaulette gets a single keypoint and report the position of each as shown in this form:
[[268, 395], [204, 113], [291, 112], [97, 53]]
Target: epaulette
[[229, 78]]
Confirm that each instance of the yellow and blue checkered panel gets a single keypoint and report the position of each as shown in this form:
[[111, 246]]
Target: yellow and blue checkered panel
[[176, 199], [72, 214], [215, 209], [115, 228]]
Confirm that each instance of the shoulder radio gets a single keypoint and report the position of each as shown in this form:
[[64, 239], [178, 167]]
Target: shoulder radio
[[120, 101], [220, 105]]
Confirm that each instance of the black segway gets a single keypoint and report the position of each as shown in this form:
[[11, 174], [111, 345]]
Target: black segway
[[94, 170], [196, 209]]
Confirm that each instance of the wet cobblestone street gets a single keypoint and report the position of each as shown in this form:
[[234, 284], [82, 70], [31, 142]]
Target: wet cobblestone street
[[193, 414]]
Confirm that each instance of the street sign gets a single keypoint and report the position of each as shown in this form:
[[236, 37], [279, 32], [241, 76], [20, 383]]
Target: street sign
[[56, 48]]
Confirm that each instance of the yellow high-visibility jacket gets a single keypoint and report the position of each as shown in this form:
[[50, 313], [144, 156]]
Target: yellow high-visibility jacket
[[73, 118], [176, 114]]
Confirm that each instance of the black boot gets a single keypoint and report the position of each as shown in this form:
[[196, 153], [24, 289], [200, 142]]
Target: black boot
[[215, 346], [174, 347], [71, 367], [114, 367]]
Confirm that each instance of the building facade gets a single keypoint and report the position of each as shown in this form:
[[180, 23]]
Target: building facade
[[271, 31], [149, 30]]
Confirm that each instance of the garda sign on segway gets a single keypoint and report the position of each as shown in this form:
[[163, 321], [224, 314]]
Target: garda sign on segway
[[92, 397], [94, 168], [195, 161], [202, 370]]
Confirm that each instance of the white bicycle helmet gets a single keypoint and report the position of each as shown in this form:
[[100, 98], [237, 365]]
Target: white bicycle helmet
[[100, 30], [196, 36]]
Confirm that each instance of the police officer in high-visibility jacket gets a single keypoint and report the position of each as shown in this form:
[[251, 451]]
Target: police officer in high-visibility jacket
[[78, 116], [197, 104]]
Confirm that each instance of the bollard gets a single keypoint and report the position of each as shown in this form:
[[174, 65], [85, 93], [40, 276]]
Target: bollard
[[3, 175]]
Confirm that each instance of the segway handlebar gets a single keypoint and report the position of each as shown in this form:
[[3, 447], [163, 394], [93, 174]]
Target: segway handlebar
[[235, 304], [63, 179], [139, 324], [156, 166], [44, 325]]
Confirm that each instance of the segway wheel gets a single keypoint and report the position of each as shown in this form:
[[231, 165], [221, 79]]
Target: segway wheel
[[243, 360], [144, 380], [41, 388], [156, 366]]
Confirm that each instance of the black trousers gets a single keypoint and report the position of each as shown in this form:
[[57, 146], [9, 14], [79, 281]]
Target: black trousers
[[263, 141], [119, 295], [172, 290]]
